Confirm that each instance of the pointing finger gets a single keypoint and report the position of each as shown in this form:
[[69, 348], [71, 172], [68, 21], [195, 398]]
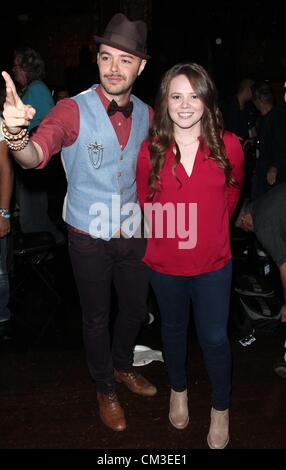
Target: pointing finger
[[12, 96]]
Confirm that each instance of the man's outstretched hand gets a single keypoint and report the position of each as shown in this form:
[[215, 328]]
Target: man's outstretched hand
[[16, 114]]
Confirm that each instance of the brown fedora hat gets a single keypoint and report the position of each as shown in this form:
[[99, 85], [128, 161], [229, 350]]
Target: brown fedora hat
[[128, 36]]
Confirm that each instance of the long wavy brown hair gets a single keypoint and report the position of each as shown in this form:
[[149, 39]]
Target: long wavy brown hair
[[162, 133]]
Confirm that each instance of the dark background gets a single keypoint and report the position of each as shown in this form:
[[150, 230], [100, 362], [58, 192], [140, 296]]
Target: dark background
[[47, 397], [232, 40]]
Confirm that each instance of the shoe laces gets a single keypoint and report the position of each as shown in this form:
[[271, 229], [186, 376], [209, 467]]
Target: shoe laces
[[112, 396], [131, 374]]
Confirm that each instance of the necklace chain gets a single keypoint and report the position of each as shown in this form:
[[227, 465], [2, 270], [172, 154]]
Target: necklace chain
[[185, 143]]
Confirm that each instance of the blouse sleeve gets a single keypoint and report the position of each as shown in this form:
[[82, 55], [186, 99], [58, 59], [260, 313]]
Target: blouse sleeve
[[142, 173], [236, 157]]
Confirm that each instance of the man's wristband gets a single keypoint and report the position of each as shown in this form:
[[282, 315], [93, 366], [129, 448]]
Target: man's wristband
[[4, 212]]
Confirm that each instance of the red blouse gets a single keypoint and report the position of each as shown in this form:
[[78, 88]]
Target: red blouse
[[189, 230]]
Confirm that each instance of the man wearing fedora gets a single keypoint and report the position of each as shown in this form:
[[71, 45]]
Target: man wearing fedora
[[99, 132]]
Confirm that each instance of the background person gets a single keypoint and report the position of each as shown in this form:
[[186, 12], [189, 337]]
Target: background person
[[270, 168], [239, 116], [6, 188], [266, 217], [31, 188]]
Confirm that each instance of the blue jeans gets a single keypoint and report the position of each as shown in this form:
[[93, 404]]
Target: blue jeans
[[210, 295], [4, 281]]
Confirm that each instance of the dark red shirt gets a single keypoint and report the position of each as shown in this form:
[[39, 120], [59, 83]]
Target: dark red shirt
[[206, 229]]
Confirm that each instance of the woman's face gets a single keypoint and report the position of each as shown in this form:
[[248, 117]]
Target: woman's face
[[184, 106], [19, 73]]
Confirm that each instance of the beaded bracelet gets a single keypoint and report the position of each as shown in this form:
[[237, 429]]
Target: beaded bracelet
[[9, 136], [4, 212], [19, 144]]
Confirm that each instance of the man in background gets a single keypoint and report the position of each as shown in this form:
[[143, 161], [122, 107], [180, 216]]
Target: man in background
[[266, 217]]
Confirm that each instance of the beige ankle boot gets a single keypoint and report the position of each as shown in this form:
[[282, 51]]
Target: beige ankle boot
[[179, 413], [218, 435]]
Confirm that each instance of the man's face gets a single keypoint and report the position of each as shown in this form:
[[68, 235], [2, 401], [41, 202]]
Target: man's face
[[258, 104], [118, 70]]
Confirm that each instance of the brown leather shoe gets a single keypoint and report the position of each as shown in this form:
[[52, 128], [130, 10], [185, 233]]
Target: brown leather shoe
[[110, 411], [136, 383]]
